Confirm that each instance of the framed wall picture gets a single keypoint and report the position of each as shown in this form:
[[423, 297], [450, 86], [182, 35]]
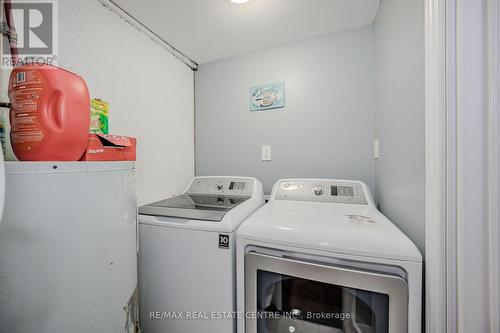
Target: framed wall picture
[[267, 96]]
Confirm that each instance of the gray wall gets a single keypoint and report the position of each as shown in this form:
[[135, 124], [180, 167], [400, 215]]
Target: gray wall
[[326, 128], [399, 116]]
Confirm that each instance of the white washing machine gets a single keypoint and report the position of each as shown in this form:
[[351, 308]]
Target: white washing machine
[[187, 262], [319, 257]]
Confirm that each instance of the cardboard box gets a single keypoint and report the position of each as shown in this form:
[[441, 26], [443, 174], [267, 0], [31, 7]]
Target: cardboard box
[[103, 147]]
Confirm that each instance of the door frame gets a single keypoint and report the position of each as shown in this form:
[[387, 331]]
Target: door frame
[[446, 172], [493, 9]]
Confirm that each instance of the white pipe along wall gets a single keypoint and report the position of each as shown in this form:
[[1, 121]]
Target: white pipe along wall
[[151, 93]]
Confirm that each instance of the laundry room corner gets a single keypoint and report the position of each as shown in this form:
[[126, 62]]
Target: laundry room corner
[[250, 166]]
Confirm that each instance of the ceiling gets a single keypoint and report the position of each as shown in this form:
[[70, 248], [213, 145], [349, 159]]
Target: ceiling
[[208, 30]]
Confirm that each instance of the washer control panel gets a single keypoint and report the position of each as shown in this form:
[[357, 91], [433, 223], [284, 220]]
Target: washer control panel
[[221, 185], [332, 191]]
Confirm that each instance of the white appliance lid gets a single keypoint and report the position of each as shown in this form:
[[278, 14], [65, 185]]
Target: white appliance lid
[[354, 230], [311, 214], [223, 199], [194, 206]]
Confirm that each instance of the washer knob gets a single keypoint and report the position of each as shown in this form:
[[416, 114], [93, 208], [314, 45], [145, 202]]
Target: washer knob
[[220, 187], [318, 190]]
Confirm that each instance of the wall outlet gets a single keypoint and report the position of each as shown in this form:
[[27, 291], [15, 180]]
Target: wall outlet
[[266, 152], [376, 149]]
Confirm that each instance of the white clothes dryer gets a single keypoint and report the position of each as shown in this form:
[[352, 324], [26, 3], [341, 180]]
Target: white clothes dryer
[[320, 257]]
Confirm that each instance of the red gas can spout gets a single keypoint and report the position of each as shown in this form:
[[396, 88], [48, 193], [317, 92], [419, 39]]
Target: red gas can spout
[[11, 34]]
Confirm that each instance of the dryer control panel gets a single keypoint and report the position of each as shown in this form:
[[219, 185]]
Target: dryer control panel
[[222, 185], [331, 191]]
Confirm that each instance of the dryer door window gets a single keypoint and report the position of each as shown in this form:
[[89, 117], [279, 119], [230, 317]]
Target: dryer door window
[[286, 303], [287, 296]]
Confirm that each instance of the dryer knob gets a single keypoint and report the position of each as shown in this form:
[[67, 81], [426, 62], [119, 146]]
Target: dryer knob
[[318, 190]]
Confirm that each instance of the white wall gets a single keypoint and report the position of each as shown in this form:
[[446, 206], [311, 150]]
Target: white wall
[[326, 128], [399, 117], [151, 93]]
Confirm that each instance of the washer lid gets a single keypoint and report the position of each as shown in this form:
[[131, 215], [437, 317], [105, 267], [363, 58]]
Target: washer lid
[[194, 207]]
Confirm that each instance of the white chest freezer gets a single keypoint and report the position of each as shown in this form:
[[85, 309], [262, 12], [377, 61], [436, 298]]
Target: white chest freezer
[[68, 258]]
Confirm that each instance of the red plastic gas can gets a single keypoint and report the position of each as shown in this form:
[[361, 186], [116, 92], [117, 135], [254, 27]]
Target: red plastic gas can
[[49, 115]]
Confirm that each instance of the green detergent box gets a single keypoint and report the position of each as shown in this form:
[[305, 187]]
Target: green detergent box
[[99, 113]]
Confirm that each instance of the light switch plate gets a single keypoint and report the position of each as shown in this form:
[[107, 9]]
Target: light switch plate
[[266, 152]]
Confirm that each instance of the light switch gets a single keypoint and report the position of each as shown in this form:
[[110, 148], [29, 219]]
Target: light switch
[[376, 149], [266, 152]]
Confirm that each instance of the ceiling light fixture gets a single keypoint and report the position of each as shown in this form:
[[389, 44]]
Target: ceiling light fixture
[[239, 1]]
